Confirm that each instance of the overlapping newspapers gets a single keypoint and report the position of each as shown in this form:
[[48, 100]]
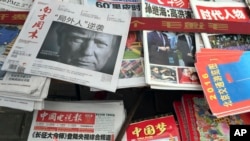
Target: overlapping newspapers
[[18, 90], [89, 54]]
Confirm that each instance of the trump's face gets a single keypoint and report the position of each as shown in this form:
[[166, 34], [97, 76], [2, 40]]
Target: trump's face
[[86, 49]]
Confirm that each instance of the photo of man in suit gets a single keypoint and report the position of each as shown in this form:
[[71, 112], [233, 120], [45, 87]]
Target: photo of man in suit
[[158, 48], [185, 45]]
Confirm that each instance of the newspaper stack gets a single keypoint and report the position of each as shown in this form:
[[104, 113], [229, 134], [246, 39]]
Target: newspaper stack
[[18, 90], [83, 120], [22, 91]]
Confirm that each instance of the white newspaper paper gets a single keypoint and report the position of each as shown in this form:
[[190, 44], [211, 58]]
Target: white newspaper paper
[[21, 104], [19, 82], [64, 121], [15, 5], [38, 95], [132, 69], [14, 103], [71, 42]]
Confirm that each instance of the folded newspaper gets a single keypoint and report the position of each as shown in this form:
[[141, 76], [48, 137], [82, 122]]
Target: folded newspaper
[[71, 42], [27, 102], [73, 121], [15, 5]]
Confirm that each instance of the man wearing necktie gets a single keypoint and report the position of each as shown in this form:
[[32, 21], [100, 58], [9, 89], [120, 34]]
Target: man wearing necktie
[[158, 48], [185, 45]]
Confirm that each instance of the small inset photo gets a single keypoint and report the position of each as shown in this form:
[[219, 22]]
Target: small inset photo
[[188, 76]]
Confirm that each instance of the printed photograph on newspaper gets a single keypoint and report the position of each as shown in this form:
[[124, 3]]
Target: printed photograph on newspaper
[[132, 69], [70, 42], [169, 56]]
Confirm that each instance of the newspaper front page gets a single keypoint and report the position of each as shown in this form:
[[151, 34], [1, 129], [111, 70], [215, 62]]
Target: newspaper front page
[[132, 69], [79, 121], [71, 42]]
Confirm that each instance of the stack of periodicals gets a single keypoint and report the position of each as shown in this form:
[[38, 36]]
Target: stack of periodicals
[[18, 90], [225, 80], [169, 56], [225, 93], [197, 123], [81, 120]]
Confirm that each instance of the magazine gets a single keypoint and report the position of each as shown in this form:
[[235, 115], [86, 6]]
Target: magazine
[[182, 121], [230, 11], [169, 56], [223, 78], [42, 47], [73, 121], [202, 125], [157, 128]]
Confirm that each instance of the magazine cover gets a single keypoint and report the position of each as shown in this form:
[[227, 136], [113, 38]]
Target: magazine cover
[[132, 68], [182, 121], [70, 42], [169, 56], [226, 10], [77, 121], [154, 129], [203, 125], [221, 76]]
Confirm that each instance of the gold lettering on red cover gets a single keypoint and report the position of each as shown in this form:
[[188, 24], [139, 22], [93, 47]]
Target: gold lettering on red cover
[[170, 24], [19, 17], [217, 26], [3, 16], [137, 131], [136, 23], [149, 130], [194, 25], [161, 127]]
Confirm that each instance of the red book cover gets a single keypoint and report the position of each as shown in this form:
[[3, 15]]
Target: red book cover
[[154, 129], [223, 78], [203, 125], [182, 121]]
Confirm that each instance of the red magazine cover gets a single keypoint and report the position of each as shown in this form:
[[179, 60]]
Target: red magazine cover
[[223, 78], [154, 129], [203, 125], [182, 121]]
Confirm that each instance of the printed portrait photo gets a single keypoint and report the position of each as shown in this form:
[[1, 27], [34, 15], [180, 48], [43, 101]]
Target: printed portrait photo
[[80, 47]]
